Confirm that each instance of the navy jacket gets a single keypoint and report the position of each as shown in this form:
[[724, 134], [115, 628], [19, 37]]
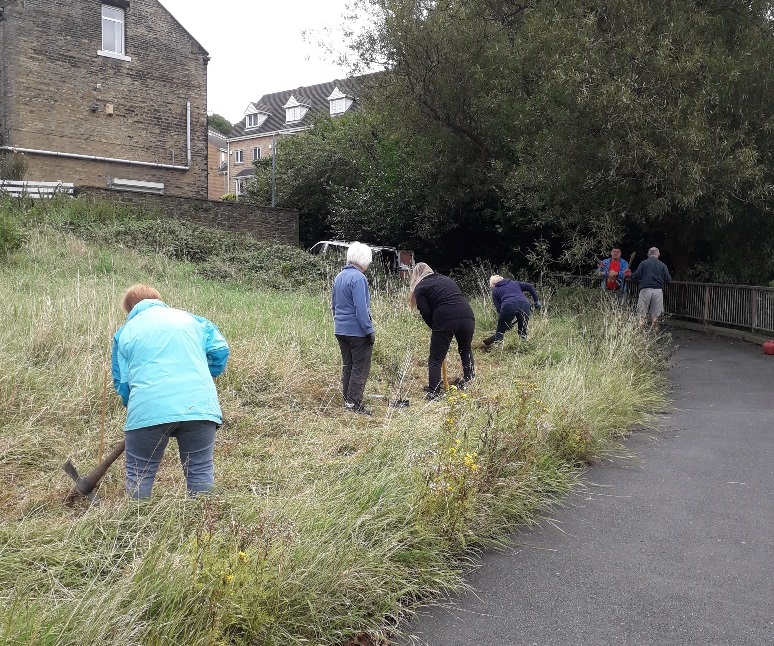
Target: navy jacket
[[510, 291]]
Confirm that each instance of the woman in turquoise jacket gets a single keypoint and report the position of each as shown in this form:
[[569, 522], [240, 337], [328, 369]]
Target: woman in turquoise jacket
[[164, 361]]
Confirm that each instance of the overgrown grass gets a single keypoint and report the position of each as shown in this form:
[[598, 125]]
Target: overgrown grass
[[324, 525]]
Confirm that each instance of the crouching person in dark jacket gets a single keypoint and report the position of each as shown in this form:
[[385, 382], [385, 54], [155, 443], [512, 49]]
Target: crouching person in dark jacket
[[447, 313], [352, 325], [164, 361], [512, 306]]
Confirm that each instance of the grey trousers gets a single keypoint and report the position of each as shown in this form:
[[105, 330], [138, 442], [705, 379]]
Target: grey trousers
[[355, 366]]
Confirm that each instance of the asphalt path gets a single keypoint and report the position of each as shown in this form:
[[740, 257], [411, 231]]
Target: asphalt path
[[673, 546]]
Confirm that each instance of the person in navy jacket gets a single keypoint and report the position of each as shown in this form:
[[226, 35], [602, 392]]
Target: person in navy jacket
[[447, 313], [352, 325], [164, 361], [512, 306]]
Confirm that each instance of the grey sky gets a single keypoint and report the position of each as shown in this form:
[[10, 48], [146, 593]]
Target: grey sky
[[257, 47]]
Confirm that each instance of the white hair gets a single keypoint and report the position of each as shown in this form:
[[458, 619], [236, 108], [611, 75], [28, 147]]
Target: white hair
[[493, 280], [359, 254], [653, 252]]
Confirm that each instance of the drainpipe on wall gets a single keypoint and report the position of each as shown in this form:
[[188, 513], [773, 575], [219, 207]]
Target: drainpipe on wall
[[188, 130], [130, 162]]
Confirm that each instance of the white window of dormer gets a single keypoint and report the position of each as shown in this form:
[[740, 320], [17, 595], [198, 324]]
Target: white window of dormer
[[293, 114], [113, 40], [251, 121], [338, 105]]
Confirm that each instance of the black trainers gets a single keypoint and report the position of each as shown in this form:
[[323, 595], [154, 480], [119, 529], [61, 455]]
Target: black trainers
[[432, 395], [462, 384], [359, 409]]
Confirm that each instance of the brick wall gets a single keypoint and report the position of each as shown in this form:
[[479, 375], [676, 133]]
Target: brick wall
[[3, 63], [246, 145], [217, 185], [263, 223], [60, 91]]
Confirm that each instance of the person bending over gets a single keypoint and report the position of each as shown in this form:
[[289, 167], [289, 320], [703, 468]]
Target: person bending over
[[512, 307], [164, 361], [447, 313]]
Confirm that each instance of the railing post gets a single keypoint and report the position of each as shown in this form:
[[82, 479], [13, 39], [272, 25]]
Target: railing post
[[706, 303], [753, 309]]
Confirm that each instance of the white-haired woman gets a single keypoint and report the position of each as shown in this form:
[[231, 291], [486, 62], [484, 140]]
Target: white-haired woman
[[512, 306], [447, 313], [352, 325]]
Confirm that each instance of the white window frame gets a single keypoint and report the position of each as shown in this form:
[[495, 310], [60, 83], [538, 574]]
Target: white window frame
[[223, 156], [256, 153], [338, 106], [116, 16], [293, 114], [239, 186], [252, 121], [239, 156]]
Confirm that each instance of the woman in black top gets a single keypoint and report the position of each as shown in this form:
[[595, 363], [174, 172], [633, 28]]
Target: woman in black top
[[447, 313]]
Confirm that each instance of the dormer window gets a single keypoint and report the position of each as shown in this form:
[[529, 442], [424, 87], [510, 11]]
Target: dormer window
[[254, 116], [294, 111], [337, 106], [339, 102]]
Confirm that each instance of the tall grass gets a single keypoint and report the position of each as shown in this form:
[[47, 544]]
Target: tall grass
[[324, 525]]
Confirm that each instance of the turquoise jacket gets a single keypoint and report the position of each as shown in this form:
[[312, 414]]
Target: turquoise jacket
[[164, 360]]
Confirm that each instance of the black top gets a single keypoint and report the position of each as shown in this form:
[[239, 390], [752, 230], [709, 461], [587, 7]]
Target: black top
[[440, 302]]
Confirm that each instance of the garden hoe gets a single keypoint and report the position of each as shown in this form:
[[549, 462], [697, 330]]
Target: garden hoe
[[85, 485]]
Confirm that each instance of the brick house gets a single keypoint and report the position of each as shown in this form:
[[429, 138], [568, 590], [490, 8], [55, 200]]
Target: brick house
[[109, 93], [217, 184], [281, 114]]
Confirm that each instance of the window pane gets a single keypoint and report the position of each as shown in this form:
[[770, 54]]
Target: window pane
[[112, 12], [112, 29]]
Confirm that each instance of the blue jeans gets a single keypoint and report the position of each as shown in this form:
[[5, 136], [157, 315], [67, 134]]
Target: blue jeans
[[145, 447], [511, 313]]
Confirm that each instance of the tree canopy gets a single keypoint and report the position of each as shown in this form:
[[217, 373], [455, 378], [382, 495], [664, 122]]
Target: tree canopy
[[501, 123], [219, 123]]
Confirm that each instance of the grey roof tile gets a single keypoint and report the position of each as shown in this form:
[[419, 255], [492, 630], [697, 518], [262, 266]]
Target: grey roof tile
[[316, 96]]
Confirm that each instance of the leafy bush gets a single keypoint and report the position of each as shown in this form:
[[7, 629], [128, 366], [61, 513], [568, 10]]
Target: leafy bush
[[12, 234], [13, 166], [218, 254], [229, 197]]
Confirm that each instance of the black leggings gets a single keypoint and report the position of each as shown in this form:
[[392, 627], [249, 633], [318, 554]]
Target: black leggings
[[462, 330]]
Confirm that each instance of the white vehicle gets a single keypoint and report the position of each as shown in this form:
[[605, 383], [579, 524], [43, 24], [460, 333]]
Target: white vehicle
[[394, 261]]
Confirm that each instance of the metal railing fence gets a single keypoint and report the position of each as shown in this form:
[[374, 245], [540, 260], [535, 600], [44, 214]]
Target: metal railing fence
[[746, 307]]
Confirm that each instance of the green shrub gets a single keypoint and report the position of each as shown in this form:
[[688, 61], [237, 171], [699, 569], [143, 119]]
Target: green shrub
[[12, 234], [13, 166]]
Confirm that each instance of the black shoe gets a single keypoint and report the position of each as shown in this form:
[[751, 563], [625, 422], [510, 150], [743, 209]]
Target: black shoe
[[432, 395], [488, 341], [353, 407], [462, 384]]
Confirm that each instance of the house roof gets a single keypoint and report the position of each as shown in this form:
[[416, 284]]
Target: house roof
[[246, 172], [216, 138], [314, 96]]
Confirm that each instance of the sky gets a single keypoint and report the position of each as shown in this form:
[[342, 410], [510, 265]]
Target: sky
[[256, 47]]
